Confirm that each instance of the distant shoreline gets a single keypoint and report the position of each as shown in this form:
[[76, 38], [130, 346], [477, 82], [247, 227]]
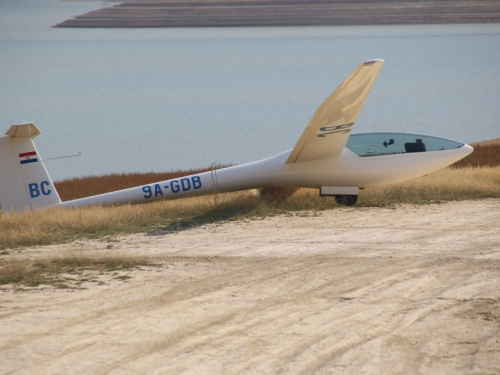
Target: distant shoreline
[[248, 13]]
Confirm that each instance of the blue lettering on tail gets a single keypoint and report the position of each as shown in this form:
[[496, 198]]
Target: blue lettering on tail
[[35, 189], [34, 192], [42, 184]]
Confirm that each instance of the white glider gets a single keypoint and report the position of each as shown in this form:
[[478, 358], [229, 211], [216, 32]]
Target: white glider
[[327, 157]]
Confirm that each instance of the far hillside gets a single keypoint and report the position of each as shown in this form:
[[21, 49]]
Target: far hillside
[[234, 13]]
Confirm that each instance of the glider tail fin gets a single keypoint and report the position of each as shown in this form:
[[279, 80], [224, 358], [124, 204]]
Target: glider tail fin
[[24, 181]]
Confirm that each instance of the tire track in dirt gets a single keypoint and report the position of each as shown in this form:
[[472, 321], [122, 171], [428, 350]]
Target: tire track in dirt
[[348, 304], [238, 317], [176, 293], [236, 320]]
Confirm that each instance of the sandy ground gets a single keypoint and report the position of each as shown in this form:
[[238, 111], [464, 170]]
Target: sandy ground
[[415, 289]]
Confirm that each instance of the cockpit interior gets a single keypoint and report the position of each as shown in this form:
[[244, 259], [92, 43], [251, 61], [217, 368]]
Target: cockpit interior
[[379, 144]]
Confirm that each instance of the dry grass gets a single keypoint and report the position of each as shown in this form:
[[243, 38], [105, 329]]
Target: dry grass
[[445, 185], [487, 155], [64, 225], [70, 270]]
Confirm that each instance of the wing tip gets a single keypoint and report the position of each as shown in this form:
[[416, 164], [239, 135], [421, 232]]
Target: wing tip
[[373, 61]]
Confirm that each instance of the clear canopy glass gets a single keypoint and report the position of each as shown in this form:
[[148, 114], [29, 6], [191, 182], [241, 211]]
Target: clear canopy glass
[[378, 144]]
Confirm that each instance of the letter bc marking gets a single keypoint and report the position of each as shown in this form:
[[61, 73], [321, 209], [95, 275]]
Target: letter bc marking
[[34, 191], [42, 187]]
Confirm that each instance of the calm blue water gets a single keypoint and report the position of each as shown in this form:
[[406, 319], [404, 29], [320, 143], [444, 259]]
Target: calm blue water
[[166, 99]]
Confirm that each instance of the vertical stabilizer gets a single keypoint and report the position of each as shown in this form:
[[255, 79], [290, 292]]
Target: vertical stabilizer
[[24, 181]]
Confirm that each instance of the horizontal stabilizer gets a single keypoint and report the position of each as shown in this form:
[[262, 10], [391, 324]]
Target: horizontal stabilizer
[[24, 130], [327, 133]]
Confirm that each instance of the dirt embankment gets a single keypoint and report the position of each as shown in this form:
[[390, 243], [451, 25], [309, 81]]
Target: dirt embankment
[[414, 289], [220, 13]]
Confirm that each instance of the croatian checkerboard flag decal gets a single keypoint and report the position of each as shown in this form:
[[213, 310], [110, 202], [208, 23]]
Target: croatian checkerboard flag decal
[[29, 157]]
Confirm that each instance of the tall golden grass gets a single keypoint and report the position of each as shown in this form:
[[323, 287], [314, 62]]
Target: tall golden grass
[[487, 155], [445, 185], [63, 225]]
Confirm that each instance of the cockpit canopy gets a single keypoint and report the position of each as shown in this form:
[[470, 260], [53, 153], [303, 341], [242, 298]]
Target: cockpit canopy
[[378, 144]]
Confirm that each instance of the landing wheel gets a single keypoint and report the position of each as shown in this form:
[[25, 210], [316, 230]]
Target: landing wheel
[[346, 200]]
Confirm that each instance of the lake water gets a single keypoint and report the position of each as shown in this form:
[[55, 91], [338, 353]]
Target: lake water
[[166, 99]]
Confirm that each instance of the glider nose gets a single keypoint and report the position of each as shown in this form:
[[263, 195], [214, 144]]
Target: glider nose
[[466, 150], [462, 152]]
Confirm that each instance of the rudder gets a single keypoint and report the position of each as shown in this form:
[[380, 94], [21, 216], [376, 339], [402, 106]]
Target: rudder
[[24, 181]]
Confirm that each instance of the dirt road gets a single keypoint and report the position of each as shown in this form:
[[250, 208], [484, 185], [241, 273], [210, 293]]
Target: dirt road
[[415, 289]]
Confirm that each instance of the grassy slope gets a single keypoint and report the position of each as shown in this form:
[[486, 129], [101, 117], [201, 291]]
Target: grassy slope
[[63, 225]]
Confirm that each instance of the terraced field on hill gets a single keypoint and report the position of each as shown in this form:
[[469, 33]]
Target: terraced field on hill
[[221, 13]]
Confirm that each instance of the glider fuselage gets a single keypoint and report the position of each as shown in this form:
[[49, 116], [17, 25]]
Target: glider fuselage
[[347, 169]]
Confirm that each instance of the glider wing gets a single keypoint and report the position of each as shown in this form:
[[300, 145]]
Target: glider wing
[[327, 133]]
